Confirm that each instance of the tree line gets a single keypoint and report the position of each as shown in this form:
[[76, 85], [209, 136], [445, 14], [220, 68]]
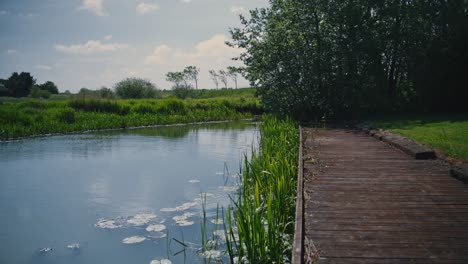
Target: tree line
[[23, 84], [190, 73], [317, 58]]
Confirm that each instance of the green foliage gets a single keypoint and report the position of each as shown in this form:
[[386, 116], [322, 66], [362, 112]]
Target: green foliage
[[20, 85], [313, 58], [37, 92], [183, 92], [50, 87], [445, 132], [263, 212], [26, 117], [133, 88], [191, 72], [66, 115], [100, 106], [106, 93]]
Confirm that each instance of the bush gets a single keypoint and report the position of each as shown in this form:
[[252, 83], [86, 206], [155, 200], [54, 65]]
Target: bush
[[66, 115], [37, 92], [182, 92], [133, 88]]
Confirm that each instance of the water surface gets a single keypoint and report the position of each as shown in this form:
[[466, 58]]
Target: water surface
[[101, 191]]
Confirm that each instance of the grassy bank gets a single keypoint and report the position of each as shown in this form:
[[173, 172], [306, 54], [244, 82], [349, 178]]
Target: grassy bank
[[447, 133], [34, 117], [263, 213]]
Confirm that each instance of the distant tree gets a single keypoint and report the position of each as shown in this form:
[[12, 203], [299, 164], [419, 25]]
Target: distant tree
[[233, 72], [107, 93], [20, 85], [37, 92], [50, 87], [223, 77], [214, 77], [191, 72], [178, 78], [3, 90], [136, 88], [67, 92]]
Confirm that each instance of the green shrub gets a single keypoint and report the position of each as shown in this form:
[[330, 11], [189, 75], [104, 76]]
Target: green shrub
[[132, 88], [66, 115]]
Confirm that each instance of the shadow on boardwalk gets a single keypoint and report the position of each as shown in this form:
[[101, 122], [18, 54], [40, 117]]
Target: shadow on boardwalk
[[366, 202]]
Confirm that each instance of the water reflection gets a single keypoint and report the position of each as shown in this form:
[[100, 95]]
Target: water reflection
[[97, 189]]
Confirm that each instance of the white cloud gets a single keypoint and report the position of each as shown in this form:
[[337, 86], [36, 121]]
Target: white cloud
[[11, 51], [95, 6], [208, 54], [43, 67], [186, 1], [108, 37], [4, 12], [92, 46], [238, 10], [213, 50], [27, 15], [145, 8]]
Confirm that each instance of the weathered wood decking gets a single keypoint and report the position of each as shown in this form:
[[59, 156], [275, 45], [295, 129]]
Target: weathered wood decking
[[366, 202]]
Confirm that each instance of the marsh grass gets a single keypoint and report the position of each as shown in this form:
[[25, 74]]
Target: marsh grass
[[259, 225], [37, 117]]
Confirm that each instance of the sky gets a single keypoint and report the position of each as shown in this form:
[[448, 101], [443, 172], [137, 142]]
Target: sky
[[95, 43]]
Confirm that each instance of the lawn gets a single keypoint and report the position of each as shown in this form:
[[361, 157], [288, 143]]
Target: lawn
[[448, 133]]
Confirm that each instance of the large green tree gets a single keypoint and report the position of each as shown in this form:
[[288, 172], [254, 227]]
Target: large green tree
[[315, 58], [20, 85]]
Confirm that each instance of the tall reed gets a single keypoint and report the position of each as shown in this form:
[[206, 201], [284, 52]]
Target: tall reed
[[263, 212]]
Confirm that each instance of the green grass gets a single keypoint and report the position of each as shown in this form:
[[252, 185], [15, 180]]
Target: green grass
[[447, 133], [263, 212], [27, 117]]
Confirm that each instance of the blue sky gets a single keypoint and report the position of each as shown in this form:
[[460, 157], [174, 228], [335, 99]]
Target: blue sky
[[94, 43]]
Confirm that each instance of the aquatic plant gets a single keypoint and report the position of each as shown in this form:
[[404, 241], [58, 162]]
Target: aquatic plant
[[263, 211]]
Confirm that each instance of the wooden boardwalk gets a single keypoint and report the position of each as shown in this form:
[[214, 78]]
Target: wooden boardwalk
[[366, 202]]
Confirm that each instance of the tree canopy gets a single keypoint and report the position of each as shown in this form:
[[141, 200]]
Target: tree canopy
[[315, 58], [20, 85]]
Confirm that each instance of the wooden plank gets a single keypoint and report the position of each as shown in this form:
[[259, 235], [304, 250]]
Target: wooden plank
[[367, 202]]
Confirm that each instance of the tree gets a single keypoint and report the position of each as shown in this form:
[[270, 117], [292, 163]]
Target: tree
[[20, 85], [50, 87], [223, 77], [107, 93], [191, 72], [232, 73], [214, 77], [312, 58], [178, 78], [132, 88], [37, 92]]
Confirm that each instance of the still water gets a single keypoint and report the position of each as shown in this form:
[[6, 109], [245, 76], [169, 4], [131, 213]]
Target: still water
[[117, 196]]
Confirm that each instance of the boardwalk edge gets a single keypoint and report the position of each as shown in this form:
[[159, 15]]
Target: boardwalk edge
[[298, 242], [414, 149]]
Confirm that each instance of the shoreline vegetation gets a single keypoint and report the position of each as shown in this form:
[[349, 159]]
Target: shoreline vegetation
[[32, 117], [260, 223]]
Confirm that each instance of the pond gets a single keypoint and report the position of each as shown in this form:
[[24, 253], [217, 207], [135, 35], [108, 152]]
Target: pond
[[118, 196]]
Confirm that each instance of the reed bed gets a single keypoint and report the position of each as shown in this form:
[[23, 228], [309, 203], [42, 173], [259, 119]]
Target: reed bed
[[260, 224], [36, 117]]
